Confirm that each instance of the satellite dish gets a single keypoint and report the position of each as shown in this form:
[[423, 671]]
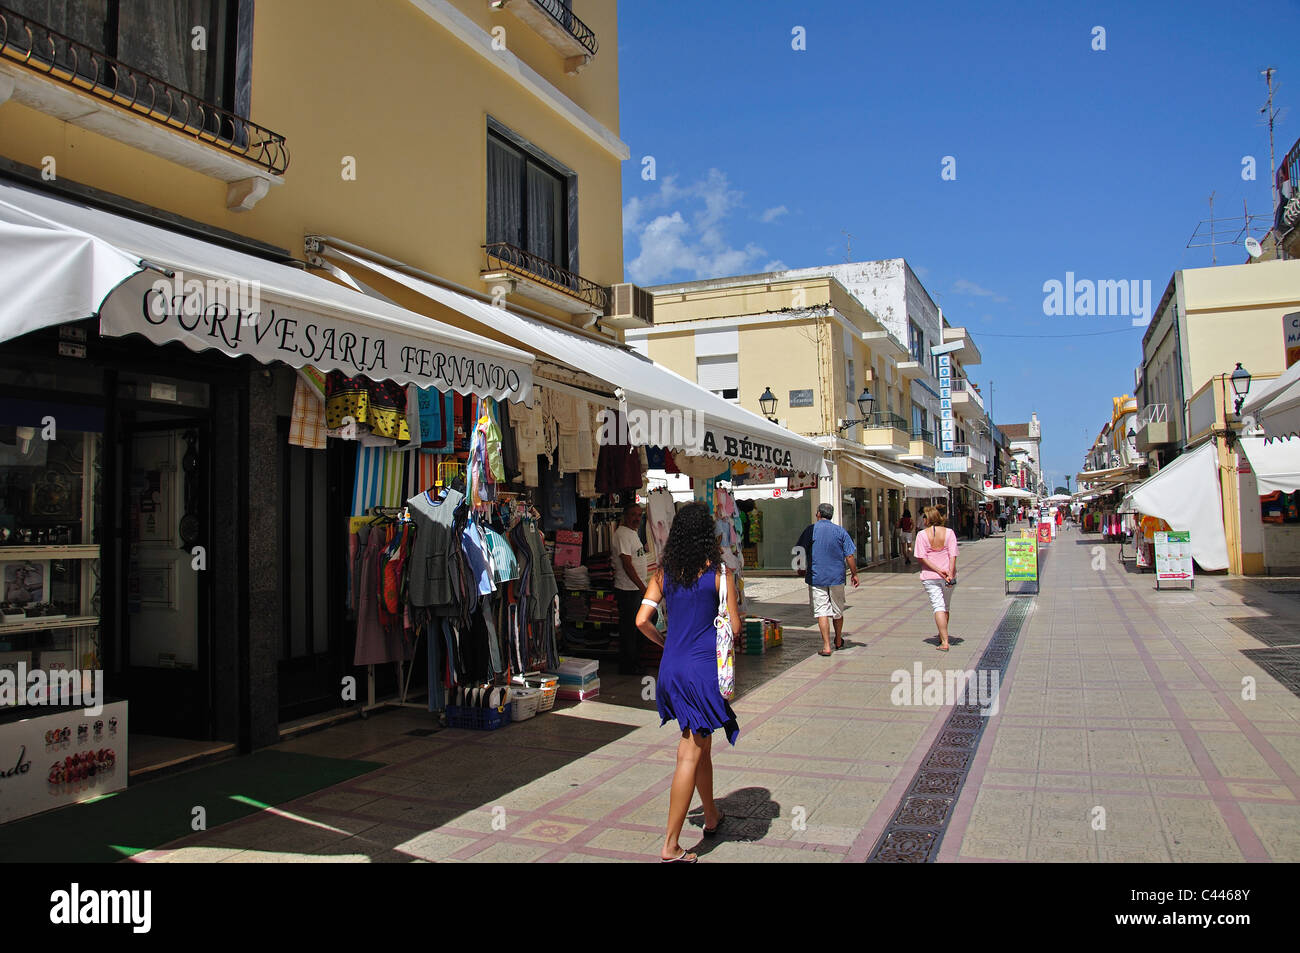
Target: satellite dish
[[1252, 246]]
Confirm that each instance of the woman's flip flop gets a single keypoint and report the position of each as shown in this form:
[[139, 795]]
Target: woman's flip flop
[[711, 831], [680, 858]]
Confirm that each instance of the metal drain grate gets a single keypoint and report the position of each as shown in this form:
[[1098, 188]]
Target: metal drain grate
[[914, 833], [1282, 664]]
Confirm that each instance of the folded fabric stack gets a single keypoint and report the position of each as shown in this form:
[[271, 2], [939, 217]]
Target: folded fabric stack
[[603, 609], [574, 608], [577, 577], [601, 572], [578, 678]]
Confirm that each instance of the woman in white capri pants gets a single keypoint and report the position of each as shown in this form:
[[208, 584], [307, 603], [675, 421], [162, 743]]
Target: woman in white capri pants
[[936, 551]]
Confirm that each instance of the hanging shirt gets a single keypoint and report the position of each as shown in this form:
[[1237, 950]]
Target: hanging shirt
[[474, 546]]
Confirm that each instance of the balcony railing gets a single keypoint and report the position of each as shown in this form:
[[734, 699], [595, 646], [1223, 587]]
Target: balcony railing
[[961, 384], [883, 419], [74, 64], [565, 17], [551, 274], [966, 450], [1152, 413], [926, 435]]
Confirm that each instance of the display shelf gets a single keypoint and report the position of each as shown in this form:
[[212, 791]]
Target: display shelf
[[14, 553], [34, 625]]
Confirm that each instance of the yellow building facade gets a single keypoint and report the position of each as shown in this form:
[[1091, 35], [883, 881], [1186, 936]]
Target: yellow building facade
[[813, 346]]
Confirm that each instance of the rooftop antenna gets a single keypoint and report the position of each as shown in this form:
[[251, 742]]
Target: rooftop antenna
[[848, 246], [1214, 260], [1271, 116]]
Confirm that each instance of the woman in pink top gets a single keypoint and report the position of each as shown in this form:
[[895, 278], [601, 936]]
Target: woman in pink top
[[936, 551]]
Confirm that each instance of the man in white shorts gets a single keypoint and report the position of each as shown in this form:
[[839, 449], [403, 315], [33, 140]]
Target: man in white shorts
[[828, 549]]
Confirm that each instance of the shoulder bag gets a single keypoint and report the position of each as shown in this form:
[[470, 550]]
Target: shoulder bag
[[726, 641]]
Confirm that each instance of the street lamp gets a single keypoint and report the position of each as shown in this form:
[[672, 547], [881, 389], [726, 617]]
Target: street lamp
[[1240, 385], [865, 400], [768, 403]]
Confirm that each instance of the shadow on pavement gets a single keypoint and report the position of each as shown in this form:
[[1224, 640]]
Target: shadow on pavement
[[749, 816]]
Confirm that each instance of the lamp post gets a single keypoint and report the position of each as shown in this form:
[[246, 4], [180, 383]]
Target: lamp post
[[865, 402], [1240, 385], [768, 403]]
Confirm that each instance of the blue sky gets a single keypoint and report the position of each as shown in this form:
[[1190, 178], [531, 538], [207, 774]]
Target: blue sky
[[1067, 159]]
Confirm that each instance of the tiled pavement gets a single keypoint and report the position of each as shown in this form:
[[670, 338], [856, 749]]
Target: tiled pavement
[[1116, 697]]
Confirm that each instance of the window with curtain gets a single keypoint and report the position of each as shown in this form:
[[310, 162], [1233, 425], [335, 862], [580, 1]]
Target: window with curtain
[[153, 36], [527, 202]]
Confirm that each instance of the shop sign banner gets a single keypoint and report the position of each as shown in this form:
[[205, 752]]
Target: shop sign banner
[[951, 464], [1173, 555], [1291, 332], [60, 758], [203, 314], [1021, 560]]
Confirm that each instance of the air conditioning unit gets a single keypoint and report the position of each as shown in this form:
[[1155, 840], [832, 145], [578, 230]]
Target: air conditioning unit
[[629, 307]]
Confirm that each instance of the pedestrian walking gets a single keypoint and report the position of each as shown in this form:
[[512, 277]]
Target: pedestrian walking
[[629, 585], [688, 582], [936, 551], [828, 549], [909, 535]]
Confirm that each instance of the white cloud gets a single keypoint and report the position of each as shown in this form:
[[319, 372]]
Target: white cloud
[[681, 230], [963, 287], [772, 214]]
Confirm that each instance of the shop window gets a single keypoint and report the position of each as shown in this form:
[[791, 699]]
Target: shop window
[[49, 545]]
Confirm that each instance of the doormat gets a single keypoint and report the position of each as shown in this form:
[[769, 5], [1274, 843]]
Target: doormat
[[156, 812]]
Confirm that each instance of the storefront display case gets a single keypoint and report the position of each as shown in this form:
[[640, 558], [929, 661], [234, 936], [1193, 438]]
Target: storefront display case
[[49, 549]]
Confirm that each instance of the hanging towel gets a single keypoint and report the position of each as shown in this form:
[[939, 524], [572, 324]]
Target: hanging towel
[[307, 424], [379, 478]]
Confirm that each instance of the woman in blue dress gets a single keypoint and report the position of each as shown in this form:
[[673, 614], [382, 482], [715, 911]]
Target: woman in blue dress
[[687, 688]]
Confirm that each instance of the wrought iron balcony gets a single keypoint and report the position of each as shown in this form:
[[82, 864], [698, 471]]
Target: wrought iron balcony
[[926, 435], [71, 63], [548, 273], [880, 419], [565, 17]]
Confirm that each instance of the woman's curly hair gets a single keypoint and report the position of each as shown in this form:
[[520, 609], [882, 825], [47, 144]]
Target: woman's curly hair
[[692, 546]]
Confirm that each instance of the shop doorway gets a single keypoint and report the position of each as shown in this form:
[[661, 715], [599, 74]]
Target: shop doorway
[[163, 577]]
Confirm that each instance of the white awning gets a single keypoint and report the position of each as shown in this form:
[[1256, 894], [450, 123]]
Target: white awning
[[878, 470], [1186, 495], [1275, 462], [62, 261], [1009, 493], [673, 412], [1276, 405], [913, 483]]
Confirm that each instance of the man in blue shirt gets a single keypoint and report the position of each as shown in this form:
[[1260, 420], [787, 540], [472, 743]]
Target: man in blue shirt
[[828, 549]]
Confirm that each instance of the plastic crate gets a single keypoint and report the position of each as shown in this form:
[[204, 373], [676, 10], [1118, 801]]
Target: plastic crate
[[523, 703], [478, 719]]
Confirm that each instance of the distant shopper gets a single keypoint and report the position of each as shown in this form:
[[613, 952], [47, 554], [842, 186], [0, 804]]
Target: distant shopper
[[936, 551], [629, 586], [908, 529], [688, 583], [828, 550]]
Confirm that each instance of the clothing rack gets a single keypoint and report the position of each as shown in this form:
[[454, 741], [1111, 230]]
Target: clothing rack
[[398, 513]]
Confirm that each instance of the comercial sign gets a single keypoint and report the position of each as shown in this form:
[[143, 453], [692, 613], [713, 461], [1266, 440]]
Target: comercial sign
[[65, 756], [1173, 551], [1291, 334], [951, 464], [1021, 560]]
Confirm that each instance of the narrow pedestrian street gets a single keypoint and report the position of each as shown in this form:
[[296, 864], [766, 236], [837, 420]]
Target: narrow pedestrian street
[[1122, 734]]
